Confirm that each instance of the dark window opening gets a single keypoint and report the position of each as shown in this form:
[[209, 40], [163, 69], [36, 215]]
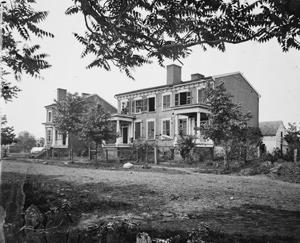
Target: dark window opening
[[151, 104], [137, 133]]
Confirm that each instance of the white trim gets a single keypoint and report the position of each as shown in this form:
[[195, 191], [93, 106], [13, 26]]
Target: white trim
[[151, 96], [162, 100], [162, 127], [150, 120], [183, 91], [137, 98]]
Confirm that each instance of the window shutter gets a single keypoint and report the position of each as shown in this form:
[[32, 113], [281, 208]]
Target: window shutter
[[176, 99], [132, 106], [188, 98], [145, 105]]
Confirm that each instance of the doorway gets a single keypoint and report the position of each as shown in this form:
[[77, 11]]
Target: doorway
[[125, 134]]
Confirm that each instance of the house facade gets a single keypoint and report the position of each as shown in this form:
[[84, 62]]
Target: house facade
[[159, 114], [53, 137], [273, 133]]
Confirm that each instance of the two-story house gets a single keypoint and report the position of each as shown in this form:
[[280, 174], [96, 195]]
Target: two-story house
[[161, 113], [53, 137]]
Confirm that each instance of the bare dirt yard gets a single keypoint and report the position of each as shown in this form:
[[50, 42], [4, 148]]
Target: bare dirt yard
[[164, 201]]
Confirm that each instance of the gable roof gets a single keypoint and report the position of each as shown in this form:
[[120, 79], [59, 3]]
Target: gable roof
[[269, 128]]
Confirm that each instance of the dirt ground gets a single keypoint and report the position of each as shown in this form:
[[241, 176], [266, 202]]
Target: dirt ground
[[174, 199]]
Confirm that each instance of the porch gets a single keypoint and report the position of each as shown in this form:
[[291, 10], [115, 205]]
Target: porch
[[188, 121]]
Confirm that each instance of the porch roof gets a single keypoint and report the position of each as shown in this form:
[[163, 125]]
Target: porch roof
[[121, 117], [193, 108]]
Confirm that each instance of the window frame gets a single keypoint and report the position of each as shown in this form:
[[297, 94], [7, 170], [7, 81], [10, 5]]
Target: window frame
[[162, 103], [137, 121], [179, 100], [148, 103], [162, 127], [141, 106], [147, 129]]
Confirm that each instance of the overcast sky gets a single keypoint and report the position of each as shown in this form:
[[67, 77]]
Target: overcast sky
[[274, 74]]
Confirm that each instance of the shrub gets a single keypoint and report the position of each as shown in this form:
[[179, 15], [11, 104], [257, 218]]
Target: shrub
[[185, 146]]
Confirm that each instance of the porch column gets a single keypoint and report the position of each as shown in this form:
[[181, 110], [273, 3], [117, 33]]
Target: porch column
[[119, 138], [176, 125], [198, 124], [53, 137]]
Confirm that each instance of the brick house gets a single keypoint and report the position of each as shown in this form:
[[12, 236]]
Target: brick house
[[53, 137], [160, 113]]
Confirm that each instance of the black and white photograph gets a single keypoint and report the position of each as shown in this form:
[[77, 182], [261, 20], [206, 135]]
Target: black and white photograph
[[150, 121]]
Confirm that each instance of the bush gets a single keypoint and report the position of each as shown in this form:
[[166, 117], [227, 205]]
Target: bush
[[185, 146]]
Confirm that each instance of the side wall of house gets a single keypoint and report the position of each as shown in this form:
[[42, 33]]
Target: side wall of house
[[243, 94]]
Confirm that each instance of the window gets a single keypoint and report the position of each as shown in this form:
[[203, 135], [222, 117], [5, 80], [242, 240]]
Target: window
[[183, 98], [166, 101], [138, 106], [201, 96], [49, 116], [151, 104], [150, 130], [124, 107], [166, 128], [49, 136], [138, 128], [182, 126]]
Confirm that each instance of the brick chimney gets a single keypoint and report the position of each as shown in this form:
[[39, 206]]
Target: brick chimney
[[196, 76], [61, 94], [173, 74]]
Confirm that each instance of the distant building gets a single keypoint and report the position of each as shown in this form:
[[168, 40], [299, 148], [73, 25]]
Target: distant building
[[273, 136], [53, 137], [161, 113]]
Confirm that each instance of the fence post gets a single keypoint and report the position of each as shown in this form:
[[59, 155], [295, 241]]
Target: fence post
[[106, 155], [155, 155], [295, 155], [146, 158]]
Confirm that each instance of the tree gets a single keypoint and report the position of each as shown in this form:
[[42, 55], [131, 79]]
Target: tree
[[129, 33], [68, 116], [96, 126], [7, 133], [25, 141], [293, 139], [226, 122], [20, 23]]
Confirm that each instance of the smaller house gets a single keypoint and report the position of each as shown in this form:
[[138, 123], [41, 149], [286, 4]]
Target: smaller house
[[53, 137], [273, 133]]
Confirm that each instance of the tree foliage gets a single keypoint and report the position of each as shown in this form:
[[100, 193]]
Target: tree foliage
[[7, 133], [68, 116], [25, 141], [185, 146], [96, 126], [19, 56], [293, 139], [227, 124], [130, 33]]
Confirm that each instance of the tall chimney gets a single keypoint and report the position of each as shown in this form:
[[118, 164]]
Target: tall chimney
[[173, 74], [61, 94], [196, 76]]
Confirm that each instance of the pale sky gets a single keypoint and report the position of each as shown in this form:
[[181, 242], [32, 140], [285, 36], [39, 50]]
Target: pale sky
[[274, 74]]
